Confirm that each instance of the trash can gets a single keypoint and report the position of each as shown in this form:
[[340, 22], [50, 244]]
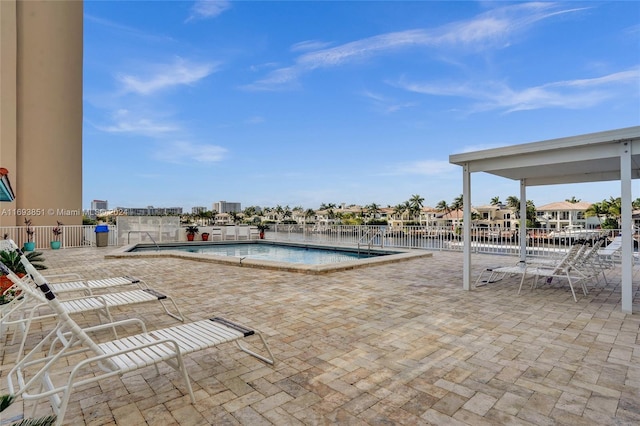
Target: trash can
[[102, 235]]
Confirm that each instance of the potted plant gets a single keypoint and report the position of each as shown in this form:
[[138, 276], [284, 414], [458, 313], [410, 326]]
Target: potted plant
[[205, 236], [192, 230], [57, 231], [11, 259], [262, 227], [29, 245]]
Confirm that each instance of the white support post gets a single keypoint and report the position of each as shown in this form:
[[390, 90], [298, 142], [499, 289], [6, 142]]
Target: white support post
[[522, 232], [626, 227], [466, 227]]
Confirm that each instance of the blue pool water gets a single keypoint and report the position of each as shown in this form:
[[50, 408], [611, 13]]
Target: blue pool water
[[273, 252]]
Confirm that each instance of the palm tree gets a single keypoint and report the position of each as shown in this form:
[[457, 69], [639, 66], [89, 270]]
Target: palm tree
[[235, 216], [415, 203], [458, 203], [372, 209], [597, 210], [573, 200], [495, 201], [398, 210], [443, 206], [309, 213], [513, 203]]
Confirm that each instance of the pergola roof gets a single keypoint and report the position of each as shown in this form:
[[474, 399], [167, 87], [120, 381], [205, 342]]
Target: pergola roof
[[593, 157]]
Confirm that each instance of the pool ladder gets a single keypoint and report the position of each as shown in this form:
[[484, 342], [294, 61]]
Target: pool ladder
[[143, 232], [369, 242]]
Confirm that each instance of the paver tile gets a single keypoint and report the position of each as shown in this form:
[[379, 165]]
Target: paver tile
[[395, 344]]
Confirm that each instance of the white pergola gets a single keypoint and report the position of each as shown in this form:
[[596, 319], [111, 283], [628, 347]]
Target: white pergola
[[594, 157]]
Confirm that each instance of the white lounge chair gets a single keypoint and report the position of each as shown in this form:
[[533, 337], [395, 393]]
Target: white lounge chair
[[36, 376], [23, 311], [611, 253], [61, 284], [563, 269]]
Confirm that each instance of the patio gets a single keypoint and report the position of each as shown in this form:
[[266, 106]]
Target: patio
[[391, 344]]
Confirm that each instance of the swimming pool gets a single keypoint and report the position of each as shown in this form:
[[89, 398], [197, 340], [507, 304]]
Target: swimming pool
[[294, 257], [275, 252]]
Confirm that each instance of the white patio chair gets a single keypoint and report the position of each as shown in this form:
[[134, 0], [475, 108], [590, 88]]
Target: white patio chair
[[563, 269], [60, 284], [22, 313], [611, 253], [35, 376]]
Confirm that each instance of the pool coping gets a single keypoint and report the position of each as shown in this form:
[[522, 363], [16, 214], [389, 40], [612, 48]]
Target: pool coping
[[392, 255]]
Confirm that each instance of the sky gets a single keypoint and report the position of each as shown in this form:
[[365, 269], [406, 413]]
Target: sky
[[300, 103]]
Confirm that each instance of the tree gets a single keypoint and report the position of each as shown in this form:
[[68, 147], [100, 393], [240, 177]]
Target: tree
[[513, 203], [308, 214], [495, 201], [235, 217], [597, 210], [415, 205], [458, 203], [443, 206], [372, 210], [573, 200]]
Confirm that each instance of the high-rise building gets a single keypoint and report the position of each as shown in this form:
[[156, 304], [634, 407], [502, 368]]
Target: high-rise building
[[198, 210], [41, 110], [99, 205], [227, 207]]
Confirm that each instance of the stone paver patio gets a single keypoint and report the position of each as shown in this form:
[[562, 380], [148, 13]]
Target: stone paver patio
[[390, 344]]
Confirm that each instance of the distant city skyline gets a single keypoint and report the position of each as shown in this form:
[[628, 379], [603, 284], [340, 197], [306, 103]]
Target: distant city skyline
[[303, 103], [338, 205]]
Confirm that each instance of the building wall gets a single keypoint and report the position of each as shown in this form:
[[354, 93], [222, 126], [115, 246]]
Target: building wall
[[41, 110]]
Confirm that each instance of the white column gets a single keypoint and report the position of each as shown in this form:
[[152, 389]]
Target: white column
[[626, 227], [466, 227], [523, 220]]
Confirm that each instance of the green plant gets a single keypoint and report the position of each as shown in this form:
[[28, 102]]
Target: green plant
[[7, 400], [29, 230], [262, 227], [192, 230], [12, 260], [57, 231]]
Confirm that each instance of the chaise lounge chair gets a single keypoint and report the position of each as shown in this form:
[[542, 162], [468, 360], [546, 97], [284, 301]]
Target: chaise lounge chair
[[562, 269], [35, 376]]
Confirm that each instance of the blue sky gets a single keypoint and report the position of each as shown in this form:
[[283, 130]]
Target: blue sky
[[301, 103]]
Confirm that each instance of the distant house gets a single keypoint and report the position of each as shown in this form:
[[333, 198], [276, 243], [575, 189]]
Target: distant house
[[495, 216], [561, 214]]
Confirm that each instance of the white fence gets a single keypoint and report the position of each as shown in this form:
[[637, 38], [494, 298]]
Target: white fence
[[72, 235], [540, 242]]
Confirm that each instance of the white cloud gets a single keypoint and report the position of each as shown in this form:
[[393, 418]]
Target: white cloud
[[180, 72], [569, 94], [492, 28], [183, 152], [205, 9], [385, 104], [124, 122], [308, 45]]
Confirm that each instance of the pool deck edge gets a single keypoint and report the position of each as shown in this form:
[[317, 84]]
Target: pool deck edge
[[399, 256]]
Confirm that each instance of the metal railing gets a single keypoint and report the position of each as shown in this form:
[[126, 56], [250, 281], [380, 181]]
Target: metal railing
[[72, 235], [540, 242]]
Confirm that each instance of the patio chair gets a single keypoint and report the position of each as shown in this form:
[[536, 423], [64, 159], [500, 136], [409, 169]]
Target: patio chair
[[562, 269], [611, 252], [60, 284], [35, 376], [22, 313]]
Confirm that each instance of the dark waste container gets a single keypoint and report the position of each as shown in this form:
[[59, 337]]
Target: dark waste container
[[102, 235]]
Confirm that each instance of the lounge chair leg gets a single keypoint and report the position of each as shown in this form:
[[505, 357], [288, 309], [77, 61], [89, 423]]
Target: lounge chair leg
[[270, 361]]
